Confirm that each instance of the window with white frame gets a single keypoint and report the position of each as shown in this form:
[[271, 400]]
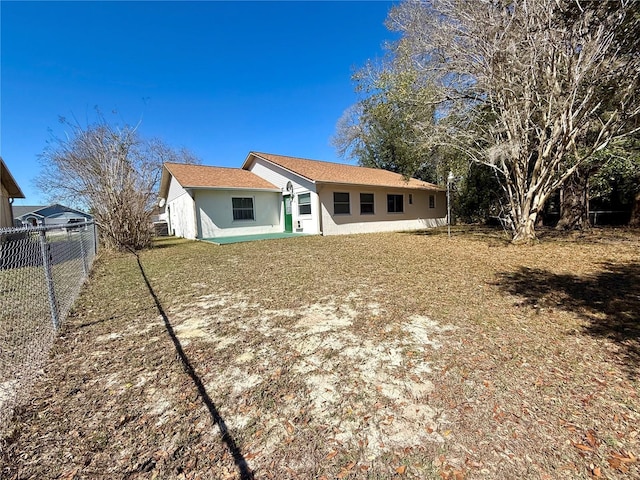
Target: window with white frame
[[366, 204], [304, 204], [341, 204], [395, 203], [242, 208]]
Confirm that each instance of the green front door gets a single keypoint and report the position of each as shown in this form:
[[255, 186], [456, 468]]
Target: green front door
[[288, 218]]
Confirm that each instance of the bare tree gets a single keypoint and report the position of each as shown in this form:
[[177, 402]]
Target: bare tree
[[111, 171], [531, 88]]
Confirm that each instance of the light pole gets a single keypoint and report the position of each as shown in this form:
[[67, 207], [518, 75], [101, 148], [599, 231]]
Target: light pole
[[450, 179]]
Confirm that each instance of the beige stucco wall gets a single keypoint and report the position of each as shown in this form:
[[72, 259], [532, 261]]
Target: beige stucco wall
[[417, 215], [6, 219], [214, 210]]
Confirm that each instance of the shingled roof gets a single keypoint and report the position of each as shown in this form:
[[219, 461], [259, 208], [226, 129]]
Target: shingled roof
[[202, 176], [339, 173]]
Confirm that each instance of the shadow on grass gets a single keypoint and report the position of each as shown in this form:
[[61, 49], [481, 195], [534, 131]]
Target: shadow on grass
[[238, 458], [167, 242], [489, 233], [609, 300], [96, 322]]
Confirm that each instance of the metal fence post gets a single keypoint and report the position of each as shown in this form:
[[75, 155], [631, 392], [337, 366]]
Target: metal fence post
[[83, 252], [46, 263], [95, 238]]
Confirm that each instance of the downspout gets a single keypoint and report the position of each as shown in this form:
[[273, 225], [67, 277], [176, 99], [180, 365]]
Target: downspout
[[13, 222], [282, 211], [196, 215], [168, 210], [319, 207]]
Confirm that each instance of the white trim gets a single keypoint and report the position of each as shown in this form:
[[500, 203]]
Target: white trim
[[341, 203], [373, 203], [253, 210], [401, 212], [388, 187], [235, 188]]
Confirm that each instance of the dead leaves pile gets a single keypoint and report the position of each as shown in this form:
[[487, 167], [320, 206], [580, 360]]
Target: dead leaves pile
[[589, 447]]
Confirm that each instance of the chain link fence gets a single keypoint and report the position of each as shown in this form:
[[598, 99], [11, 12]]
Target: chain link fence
[[42, 270]]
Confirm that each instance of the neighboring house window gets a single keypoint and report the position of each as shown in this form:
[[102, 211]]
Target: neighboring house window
[[395, 204], [432, 201], [366, 204], [304, 204], [242, 208], [341, 203], [410, 199]]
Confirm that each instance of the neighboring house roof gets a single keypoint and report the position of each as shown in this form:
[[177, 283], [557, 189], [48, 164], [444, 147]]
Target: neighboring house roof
[[326, 172], [22, 210], [8, 182], [56, 209], [202, 176], [45, 211]]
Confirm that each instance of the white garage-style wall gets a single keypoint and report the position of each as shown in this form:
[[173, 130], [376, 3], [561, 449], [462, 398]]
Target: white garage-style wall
[[419, 210], [214, 213], [180, 211]]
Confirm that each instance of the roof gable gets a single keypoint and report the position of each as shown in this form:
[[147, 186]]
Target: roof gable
[[45, 211], [8, 182], [21, 210], [56, 209], [328, 172], [203, 176]]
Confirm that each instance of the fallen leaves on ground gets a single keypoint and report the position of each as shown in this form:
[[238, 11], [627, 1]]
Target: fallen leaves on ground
[[364, 356]]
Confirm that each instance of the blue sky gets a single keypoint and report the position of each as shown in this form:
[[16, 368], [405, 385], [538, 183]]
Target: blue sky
[[220, 78]]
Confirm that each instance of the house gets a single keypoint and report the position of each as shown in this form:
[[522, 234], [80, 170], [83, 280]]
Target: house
[[48, 215], [208, 202], [276, 193], [9, 190]]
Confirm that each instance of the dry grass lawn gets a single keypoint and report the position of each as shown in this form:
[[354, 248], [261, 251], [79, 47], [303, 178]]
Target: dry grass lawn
[[369, 356]]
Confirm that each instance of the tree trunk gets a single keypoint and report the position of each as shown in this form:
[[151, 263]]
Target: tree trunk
[[574, 203], [635, 212], [525, 230]]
